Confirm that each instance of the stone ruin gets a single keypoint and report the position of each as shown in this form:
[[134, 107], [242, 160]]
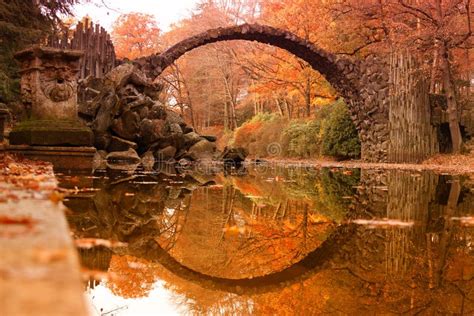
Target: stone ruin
[[49, 94], [119, 115], [52, 130], [131, 125]]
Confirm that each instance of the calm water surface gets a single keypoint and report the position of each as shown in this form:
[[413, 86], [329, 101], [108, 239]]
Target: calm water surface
[[274, 240]]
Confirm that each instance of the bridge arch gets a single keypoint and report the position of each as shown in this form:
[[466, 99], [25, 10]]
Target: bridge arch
[[315, 261], [361, 89]]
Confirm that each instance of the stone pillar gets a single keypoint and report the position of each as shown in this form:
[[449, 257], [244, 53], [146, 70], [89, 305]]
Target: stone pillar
[[49, 93]]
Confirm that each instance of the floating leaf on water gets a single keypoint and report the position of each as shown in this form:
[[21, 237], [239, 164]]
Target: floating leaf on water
[[382, 222], [466, 221], [254, 197], [145, 182], [88, 243]]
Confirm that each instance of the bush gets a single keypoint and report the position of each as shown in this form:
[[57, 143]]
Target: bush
[[302, 139], [340, 138], [246, 134], [258, 133], [331, 133]]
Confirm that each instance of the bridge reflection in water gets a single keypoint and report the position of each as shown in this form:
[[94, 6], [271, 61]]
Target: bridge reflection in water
[[278, 241]]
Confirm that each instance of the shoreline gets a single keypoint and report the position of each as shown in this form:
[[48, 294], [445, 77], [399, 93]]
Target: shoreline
[[453, 164], [40, 269]]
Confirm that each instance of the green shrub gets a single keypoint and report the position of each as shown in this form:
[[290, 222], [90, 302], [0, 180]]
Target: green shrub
[[331, 133], [340, 138], [302, 139], [264, 117]]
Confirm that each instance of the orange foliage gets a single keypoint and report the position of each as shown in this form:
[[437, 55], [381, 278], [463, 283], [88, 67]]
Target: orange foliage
[[135, 35], [134, 279], [247, 133], [247, 187]]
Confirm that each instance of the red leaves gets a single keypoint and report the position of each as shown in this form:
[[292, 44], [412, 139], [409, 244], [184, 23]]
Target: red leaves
[[21, 178], [15, 226], [6, 220]]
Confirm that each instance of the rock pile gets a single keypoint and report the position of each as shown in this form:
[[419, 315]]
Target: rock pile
[[130, 124]]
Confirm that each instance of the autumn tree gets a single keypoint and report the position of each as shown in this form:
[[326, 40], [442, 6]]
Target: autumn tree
[[206, 82], [435, 30], [135, 35]]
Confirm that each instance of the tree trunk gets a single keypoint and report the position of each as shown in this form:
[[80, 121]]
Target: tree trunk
[[453, 118], [233, 120], [289, 109], [434, 68], [191, 111], [468, 73], [226, 116], [308, 96], [279, 107], [447, 232]]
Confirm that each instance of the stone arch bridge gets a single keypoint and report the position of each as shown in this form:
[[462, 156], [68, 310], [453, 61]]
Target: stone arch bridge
[[363, 84]]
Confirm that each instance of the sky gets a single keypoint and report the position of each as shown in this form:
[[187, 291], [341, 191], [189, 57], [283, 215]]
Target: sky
[[105, 12], [159, 301]]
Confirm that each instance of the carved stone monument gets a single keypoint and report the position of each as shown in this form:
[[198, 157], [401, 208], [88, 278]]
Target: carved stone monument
[[49, 94]]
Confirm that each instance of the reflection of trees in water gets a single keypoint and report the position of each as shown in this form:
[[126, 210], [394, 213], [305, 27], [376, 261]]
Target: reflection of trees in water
[[410, 268], [426, 268], [251, 226]]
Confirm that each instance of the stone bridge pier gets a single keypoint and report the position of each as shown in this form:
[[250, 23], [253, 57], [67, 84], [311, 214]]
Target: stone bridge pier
[[363, 84]]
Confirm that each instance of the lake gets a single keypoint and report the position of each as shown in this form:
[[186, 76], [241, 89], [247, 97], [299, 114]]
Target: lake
[[273, 239]]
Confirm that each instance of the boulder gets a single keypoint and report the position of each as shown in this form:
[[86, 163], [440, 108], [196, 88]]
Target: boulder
[[144, 112], [210, 138], [119, 76], [120, 144], [234, 155], [148, 161], [127, 126], [166, 168], [151, 130], [129, 156], [184, 163], [101, 140], [191, 139], [127, 73], [203, 150], [174, 118], [107, 107], [175, 129], [99, 161], [166, 153], [180, 153], [187, 129], [157, 112]]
